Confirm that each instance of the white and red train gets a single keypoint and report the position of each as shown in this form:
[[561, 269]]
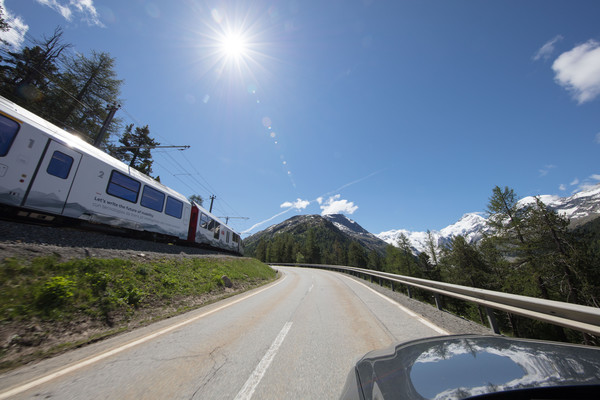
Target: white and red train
[[47, 173]]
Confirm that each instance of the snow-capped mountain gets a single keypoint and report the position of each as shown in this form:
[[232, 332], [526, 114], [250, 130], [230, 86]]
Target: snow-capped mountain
[[582, 206], [356, 232], [472, 226], [345, 224], [579, 208]]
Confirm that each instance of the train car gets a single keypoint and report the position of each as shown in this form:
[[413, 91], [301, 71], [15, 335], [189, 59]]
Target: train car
[[46, 172], [210, 229]]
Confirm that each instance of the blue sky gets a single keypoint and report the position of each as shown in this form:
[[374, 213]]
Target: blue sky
[[400, 114]]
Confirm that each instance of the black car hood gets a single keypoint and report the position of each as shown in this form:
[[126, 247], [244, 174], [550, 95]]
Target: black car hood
[[457, 367]]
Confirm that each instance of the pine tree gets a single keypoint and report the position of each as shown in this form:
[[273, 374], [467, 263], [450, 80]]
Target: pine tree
[[91, 84], [196, 198], [29, 74], [356, 255], [406, 256], [374, 261], [312, 253], [552, 244], [135, 148], [508, 218], [261, 250]]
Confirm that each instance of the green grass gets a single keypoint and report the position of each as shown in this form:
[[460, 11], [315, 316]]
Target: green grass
[[49, 289]]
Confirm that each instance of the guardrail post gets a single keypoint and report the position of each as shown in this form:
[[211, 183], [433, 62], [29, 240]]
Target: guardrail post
[[492, 320], [392, 282], [438, 301], [380, 283], [408, 291]]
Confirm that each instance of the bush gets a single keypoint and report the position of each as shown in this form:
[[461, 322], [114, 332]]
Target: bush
[[134, 296], [55, 293]]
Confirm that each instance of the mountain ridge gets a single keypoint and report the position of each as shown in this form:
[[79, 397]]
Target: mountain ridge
[[580, 208], [339, 227]]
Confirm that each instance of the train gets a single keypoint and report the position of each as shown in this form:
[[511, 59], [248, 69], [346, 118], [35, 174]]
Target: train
[[48, 174]]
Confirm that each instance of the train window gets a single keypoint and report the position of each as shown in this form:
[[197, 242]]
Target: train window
[[217, 230], [60, 165], [123, 187], [227, 240], [211, 224], [153, 199], [204, 221], [174, 207], [8, 132]]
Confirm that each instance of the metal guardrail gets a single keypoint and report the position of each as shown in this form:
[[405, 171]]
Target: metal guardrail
[[574, 316]]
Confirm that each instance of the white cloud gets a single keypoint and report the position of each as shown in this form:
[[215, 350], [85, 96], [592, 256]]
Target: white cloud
[[562, 187], [334, 205], [299, 204], [587, 184], [65, 11], [578, 71], [320, 200], [547, 49], [67, 8], [15, 36], [544, 171], [575, 182]]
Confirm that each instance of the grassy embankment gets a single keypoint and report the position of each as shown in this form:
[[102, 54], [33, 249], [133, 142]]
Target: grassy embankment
[[44, 300]]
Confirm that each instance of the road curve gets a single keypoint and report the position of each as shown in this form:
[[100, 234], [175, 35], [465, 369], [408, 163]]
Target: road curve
[[295, 338]]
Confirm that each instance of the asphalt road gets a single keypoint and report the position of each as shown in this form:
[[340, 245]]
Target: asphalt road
[[296, 338]]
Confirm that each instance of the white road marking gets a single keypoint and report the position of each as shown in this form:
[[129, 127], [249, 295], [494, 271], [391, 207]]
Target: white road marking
[[101, 356], [406, 310], [250, 386]]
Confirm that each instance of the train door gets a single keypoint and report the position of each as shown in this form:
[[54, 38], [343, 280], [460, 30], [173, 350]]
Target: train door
[[193, 224], [52, 182]]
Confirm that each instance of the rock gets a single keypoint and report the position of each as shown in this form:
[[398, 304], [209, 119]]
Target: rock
[[226, 281]]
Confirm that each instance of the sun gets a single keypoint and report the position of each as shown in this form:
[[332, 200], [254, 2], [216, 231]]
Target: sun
[[234, 45]]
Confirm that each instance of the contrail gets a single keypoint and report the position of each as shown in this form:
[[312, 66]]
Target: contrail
[[266, 220], [354, 182]]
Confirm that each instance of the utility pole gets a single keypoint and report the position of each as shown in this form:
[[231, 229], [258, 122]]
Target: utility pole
[[111, 113], [212, 198]]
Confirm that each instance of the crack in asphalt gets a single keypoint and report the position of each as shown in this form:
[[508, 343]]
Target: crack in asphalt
[[214, 370]]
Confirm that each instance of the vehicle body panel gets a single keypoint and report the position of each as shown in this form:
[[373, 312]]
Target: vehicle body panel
[[458, 367], [50, 188]]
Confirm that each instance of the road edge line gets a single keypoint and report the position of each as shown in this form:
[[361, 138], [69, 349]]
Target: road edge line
[[411, 313]]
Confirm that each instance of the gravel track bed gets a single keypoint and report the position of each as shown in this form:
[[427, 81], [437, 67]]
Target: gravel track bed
[[28, 241]]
